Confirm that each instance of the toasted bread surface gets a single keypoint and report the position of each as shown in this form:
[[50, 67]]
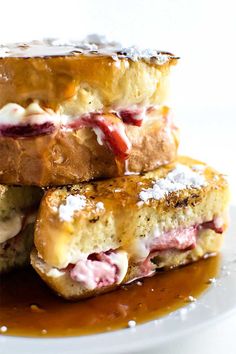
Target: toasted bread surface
[[124, 217], [71, 156], [76, 81]]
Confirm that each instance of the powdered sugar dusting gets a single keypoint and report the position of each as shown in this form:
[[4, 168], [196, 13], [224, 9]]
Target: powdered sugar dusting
[[73, 203], [100, 206], [199, 168], [182, 177], [135, 53], [91, 45], [4, 51]]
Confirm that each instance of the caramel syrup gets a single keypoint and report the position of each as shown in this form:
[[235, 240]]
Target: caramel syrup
[[29, 308]]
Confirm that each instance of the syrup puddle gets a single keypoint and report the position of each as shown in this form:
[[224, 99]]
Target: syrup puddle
[[29, 308]]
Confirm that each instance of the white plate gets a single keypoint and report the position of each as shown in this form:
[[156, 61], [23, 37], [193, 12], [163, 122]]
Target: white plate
[[209, 308]]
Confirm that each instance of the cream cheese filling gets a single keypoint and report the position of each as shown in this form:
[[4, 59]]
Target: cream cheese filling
[[11, 226], [93, 274], [110, 267], [14, 114]]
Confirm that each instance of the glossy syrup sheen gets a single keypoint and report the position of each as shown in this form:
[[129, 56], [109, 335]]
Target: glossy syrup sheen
[[29, 308]]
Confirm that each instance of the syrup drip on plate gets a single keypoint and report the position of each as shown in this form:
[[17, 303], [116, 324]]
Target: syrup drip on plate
[[29, 308]]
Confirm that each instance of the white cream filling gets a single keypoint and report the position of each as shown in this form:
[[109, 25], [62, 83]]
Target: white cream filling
[[142, 245], [11, 226], [120, 259], [219, 221], [14, 114], [99, 134], [55, 273]]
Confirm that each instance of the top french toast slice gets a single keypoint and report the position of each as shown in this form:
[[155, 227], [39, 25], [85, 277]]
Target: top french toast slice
[[78, 77]]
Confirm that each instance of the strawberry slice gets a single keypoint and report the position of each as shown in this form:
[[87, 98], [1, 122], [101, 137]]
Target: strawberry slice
[[133, 117], [27, 130], [114, 134], [112, 129]]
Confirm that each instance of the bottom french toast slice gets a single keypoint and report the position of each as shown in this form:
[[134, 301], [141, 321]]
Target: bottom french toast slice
[[92, 237]]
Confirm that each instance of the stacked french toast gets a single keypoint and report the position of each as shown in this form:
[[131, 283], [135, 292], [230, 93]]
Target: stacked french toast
[[92, 184]]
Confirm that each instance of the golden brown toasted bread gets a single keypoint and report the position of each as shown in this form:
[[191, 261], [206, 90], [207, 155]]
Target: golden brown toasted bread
[[77, 79], [71, 156], [77, 111]]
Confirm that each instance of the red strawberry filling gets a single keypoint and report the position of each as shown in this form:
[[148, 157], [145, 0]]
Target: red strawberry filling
[[102, 269], [109, 127], [133, 117], [27, 130]]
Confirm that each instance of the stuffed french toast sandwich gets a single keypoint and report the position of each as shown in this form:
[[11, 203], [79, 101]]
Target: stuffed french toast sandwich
[[86, 126], [92, 237], [79, 111]]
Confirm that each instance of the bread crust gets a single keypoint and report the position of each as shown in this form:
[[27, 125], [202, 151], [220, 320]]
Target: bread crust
[[72, 156], [209, 243]]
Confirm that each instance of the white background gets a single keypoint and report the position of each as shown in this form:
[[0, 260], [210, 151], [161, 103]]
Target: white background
[[203, 95], [202, 32]]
